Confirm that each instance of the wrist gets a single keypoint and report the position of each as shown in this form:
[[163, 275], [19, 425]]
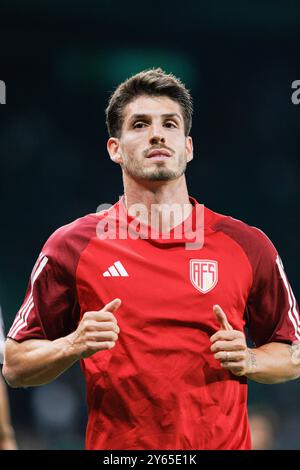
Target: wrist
[[251, 365], [67, 347]]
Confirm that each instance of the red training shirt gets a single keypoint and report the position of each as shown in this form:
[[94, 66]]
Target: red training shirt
[[160, 386]]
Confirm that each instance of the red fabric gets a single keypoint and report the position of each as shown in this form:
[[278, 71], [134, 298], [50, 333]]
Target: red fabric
[[160, 387]]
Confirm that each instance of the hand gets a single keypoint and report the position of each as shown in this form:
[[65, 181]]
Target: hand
[[230, 346], [97, 331]]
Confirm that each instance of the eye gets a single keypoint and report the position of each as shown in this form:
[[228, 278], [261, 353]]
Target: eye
[[139, 125], [170, 124]]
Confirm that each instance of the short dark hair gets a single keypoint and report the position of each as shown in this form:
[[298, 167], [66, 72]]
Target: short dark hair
[[152, 82]]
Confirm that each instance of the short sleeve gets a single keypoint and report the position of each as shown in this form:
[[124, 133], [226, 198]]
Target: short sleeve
[[50, 309], [272, 313]]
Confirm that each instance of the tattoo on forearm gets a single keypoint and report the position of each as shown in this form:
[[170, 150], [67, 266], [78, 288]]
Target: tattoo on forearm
[[295, 352], [252, 363]]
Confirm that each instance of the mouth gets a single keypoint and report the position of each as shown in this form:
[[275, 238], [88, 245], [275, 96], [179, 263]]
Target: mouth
[[159, 154]]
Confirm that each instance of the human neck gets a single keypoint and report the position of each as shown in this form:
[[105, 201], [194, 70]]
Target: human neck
[[150, 202]]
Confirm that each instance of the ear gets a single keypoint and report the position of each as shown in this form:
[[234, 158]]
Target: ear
[[113, 148], [189, 148]]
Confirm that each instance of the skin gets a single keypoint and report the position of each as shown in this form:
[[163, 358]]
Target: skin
[[7, 437], [37, 362], [152, 183], [148, 182], [270, 363]]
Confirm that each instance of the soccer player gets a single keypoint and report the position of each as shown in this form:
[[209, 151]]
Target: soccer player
[[7, 436], [154, 293]]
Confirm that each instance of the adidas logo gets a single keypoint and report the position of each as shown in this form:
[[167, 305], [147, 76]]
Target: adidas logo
[[116, 270]]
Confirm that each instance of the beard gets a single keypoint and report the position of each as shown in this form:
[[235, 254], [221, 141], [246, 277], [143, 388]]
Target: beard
[[158, 172]]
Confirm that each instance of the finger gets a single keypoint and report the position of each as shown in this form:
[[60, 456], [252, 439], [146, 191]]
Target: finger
[[101, 336], [226, 335], [100, 316], [95, 346], [235, 345], [112, 306], [93, 325], [229, 356], [222, 318]]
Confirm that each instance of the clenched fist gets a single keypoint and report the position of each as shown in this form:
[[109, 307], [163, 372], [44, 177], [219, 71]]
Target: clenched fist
[[97, 331]]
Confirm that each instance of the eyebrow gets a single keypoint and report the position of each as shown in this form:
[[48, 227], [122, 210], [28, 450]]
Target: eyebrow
[[146, 116]]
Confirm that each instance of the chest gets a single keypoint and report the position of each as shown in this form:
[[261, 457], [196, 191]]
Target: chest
[[165, 283]]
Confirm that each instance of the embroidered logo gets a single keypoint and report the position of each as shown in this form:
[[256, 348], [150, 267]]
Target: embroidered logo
[[203, 274]]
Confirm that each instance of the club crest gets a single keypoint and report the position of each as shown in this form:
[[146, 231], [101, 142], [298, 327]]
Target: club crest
[[203, 274]]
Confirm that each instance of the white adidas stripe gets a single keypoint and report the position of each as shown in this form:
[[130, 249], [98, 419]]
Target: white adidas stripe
[[30, 296], [292, 313], [121, 268], [116, 270], [113, 271], [22, 316], [20, 319], [287, 284]]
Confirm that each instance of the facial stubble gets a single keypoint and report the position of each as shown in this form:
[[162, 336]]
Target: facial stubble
[[157, 172]]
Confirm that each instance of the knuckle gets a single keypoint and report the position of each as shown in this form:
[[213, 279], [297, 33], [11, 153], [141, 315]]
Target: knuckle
[[105, 326], [101, 316], [110, 316], [239, 344], [90, 346], [106, 344], [88, 324], [89, 336], [113, 336]]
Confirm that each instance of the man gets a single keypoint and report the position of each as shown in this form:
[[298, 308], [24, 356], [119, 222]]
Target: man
[[7, 436], [155, 304]]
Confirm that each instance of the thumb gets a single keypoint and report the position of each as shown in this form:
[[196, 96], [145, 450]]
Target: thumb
[[112, 306], [221, 317]]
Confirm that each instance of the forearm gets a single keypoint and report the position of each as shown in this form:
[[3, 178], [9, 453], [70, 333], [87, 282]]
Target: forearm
[[37, 362], [7, 437], [273, 363]]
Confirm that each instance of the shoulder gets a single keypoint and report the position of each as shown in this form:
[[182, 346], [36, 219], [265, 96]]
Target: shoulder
[[63, 248], [76, 233], [252, 239]]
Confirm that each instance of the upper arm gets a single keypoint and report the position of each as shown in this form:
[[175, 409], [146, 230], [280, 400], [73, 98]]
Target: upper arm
[[50, 308], [272, 313]]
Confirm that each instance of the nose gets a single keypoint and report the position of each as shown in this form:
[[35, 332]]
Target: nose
[[156, 136], [157, 139]]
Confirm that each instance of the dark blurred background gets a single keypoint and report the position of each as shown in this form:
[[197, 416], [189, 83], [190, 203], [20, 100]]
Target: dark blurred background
[[60, 61]]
